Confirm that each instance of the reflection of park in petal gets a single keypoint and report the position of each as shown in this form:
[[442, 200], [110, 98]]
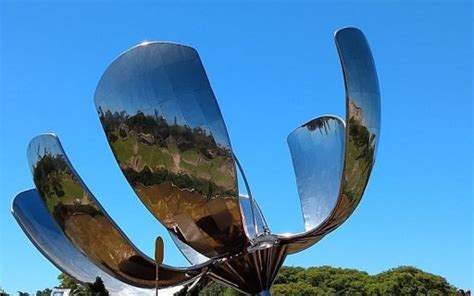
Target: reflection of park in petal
[[148, 143], [165, 129]]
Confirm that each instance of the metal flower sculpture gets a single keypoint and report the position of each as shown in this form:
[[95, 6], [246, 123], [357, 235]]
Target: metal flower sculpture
[[166, 131]]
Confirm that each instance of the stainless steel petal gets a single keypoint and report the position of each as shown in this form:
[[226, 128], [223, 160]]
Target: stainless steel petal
[[36, 222], [189, 253], [317, 150], [166, 131], [254, 222], [361, 135], [251, 273], [86, 224]]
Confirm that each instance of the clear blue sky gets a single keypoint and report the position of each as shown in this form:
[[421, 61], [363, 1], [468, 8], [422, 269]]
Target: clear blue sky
[[272, 66]]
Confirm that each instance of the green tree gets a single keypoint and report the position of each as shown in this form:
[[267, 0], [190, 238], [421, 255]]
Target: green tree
[[217, 289], [3, 293], [326, 280], [67, 282], [45, 292], [97, 288]]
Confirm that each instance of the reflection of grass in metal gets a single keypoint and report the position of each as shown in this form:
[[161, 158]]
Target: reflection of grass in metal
[[153, 156], [190, 156], [222, 174], [72, 190], [123, 148], [51, 202], [136, 155]]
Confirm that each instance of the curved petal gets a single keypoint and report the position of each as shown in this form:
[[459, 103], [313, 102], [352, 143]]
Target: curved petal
[[191, 255], [317, 150], [35, 221], [254, 222], [86, 224], [361, 135], [166, 131]]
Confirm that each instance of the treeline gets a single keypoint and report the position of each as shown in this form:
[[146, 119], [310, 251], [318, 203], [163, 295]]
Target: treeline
[[321, 281], [96, 288], [330, 281], [155, 130], [48, 173], [148, 177]]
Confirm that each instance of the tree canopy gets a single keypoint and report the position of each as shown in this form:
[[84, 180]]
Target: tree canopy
[[96, 288], [298, 281], [328, 280]]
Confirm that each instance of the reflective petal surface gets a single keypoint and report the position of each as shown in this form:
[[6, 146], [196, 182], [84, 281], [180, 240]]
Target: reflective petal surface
[[33, 217], [191, 255], [86, 224], [317, 150], [251, 273], [166, 131], [254, 222], [167, 134], [361, 135]]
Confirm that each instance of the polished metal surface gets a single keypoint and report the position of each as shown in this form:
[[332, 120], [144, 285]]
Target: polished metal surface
[[166, 131], [86, 224], [317, 150], [189, 253], [250, 272], [35, 220], [164, 126], [253, 220], [360, 141]]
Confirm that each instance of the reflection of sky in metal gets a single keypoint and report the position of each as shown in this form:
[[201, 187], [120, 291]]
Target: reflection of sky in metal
[[40, 227], [332, 162], [191, 255], [317, 155], [360, 77], [254, 222], [162, 79]]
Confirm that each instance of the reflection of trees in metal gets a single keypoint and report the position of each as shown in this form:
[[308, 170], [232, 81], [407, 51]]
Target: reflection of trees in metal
[[165, 129], [168, 136], [60, 190], [181, 175], [85, 223]]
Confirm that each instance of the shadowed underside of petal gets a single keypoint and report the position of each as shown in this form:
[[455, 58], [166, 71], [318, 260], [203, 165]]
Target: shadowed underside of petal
[[253, 220], [191, 255], [166, 131], [33, 217], [361, 134], [86, 224]]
